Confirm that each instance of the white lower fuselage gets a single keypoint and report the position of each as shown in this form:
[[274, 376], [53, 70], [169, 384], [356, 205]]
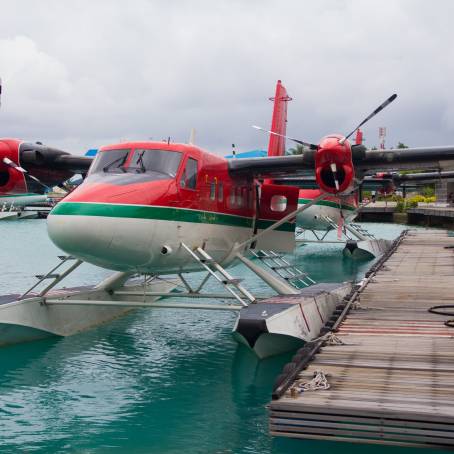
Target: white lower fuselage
[[145, 244], [316, 217]]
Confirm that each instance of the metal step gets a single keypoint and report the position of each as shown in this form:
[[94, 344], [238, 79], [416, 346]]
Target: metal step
[[230, 283], [55, 277], [284, 269]]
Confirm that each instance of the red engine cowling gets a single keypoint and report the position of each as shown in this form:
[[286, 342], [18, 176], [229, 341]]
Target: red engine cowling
[[333, 163], [11, 181], [388, 186]]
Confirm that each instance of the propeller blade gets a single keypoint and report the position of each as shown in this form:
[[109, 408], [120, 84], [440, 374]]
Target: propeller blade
[[334, 171], [305, 144], [375, 112], [20, 169], [340, 225], [12, 164]]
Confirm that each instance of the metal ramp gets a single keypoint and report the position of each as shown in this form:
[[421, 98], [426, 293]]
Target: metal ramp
[[231, 284], [54, 275], [283, 268], [359, 232]]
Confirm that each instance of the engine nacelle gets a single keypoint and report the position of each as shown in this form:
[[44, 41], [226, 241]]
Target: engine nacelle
[[388, 186], [11, 181], [334, 170]]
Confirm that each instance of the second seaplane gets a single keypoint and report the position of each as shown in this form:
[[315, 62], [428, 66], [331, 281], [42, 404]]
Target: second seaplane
[[162, 208]]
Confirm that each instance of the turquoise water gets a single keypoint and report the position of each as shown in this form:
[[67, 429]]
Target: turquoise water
[[162, 381]]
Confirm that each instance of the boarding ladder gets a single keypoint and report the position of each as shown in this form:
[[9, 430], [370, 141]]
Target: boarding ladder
[[355, 229], [55, 275], [231, 284], [362, 230], [283, 268]]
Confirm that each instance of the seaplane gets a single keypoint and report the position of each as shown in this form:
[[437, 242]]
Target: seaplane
[[158, 209], [28, 170], [343, 180]]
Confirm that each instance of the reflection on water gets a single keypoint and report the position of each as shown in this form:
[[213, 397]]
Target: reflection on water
[[162, 381]]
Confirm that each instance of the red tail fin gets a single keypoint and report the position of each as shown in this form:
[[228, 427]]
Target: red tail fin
[[276, 146], [359, 137]]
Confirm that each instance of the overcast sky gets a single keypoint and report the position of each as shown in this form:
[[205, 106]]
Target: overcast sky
[[82, 74]]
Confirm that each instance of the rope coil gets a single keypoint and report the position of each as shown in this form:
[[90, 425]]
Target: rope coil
[[318, 382], [332, 339]]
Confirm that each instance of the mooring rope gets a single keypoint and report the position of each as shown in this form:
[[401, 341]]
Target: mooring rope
[[318, 382], [441, 310]]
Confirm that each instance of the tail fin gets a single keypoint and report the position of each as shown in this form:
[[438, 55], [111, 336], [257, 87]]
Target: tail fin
[[359, 137], [276, 146]]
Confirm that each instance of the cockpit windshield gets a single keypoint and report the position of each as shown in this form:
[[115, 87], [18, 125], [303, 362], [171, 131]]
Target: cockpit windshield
[[152, 164], [159, 161], [110, 161]]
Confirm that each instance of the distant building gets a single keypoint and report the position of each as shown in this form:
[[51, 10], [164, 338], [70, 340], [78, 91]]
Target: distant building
[[444, 191]]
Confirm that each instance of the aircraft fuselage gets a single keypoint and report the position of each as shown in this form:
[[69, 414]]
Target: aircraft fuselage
[[142, 200]]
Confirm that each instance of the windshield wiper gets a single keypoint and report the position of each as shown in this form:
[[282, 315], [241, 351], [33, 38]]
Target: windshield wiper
[[140, 161], [121, 160]]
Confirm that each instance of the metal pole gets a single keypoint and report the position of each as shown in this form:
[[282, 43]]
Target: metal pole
[[279, 285], [154, 305]]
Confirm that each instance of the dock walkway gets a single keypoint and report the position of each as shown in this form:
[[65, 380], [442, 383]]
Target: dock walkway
[[392, 379]]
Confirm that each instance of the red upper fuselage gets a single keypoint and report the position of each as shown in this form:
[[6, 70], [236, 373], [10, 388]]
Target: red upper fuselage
[[168, 175]]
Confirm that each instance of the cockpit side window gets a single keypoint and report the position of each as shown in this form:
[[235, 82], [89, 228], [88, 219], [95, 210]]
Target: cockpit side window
[[189, 176], [110, 161]]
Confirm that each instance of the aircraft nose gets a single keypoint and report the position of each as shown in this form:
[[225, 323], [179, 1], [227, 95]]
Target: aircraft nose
[[80, 236], [101, 236]]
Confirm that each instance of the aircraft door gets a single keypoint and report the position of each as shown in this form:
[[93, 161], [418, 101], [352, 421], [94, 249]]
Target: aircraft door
[[189, 193], [275, 203]]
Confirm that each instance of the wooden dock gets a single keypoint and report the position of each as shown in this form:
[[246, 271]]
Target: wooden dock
[[392, 378]]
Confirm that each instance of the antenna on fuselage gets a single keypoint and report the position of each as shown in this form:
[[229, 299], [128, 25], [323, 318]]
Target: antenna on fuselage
[[233, 150], [192, 137]]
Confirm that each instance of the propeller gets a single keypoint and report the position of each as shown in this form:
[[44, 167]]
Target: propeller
[[20, 169], [305, 144], [333, 168], [375, 112]]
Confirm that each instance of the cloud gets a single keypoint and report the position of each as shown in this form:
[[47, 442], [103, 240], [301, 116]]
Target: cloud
[[83, 74]]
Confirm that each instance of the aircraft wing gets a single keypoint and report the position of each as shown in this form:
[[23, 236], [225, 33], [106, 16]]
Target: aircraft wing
[[273, 166], [41, 156], [75, 164], [425, 177], [365, 162], [406, 158]]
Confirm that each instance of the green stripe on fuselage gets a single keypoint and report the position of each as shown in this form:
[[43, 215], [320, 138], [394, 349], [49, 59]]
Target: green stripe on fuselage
[[327, 203], [160, 213]]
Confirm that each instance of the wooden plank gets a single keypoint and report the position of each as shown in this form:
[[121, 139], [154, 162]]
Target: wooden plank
[[327, 437], [394, 377]]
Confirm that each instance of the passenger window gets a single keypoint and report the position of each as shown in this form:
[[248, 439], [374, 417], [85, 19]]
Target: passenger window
[[239, 198], [278, 203], [232, 198], [221, 192], [213, 190], [189, 175]]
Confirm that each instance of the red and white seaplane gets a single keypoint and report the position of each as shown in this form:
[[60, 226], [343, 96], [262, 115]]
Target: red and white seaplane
[[159, 208], [341, 180], [28, 170]]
